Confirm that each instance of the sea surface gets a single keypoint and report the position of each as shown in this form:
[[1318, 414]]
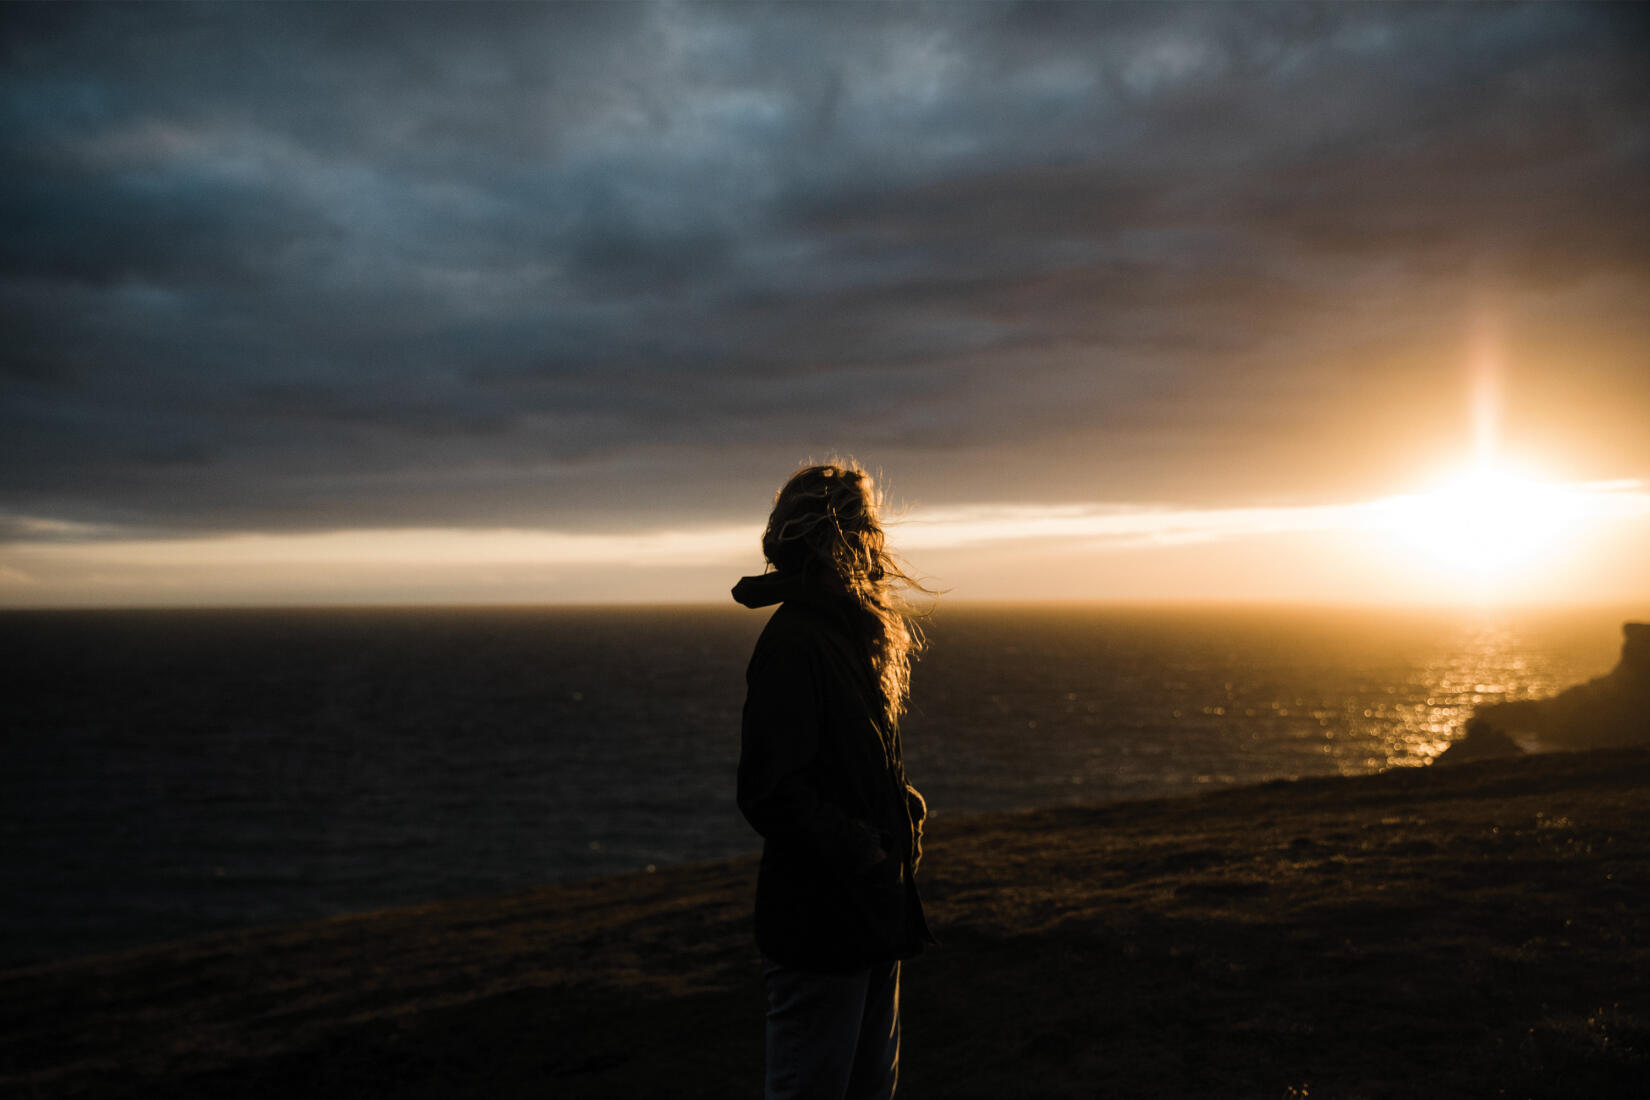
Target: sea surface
[[168, 773]]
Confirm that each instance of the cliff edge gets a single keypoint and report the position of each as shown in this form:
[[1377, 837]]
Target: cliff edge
[[1611, 711]]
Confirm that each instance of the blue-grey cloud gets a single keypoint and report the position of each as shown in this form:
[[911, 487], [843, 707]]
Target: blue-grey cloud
[[293, 266]]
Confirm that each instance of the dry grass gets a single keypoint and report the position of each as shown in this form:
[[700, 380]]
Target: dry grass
[[1471, 931]]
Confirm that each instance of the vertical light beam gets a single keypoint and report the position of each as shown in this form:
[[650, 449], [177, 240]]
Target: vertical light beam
[[1484, 368]]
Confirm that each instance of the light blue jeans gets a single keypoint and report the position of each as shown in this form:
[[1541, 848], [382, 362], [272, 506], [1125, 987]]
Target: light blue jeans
[[832, 1036]]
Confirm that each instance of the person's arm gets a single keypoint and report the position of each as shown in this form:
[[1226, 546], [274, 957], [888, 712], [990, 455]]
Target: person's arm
[[779, 738], [918, 807]]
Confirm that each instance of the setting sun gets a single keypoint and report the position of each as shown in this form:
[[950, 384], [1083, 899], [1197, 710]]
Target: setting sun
[[1488, 521]]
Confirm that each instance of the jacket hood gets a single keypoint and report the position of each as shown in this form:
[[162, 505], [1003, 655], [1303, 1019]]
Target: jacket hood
[[767, 589]]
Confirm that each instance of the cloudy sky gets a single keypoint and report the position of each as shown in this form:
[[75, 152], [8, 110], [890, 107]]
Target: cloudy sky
[[429, 302]]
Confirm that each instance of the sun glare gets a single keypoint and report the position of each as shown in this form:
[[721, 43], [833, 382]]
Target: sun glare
[[1487, 522], [1492, 525]]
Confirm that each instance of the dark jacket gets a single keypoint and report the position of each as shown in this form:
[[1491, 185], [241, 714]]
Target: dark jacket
[[820, 777]]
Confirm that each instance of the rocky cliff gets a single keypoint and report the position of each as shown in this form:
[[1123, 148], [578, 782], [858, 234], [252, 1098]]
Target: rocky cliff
[[1610, 711]]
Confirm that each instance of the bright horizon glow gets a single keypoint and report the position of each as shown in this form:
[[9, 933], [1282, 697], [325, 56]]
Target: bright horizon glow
[[1487, 521], [1483, 534]]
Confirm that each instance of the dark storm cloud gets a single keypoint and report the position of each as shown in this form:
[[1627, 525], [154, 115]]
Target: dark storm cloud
[[296, 266]]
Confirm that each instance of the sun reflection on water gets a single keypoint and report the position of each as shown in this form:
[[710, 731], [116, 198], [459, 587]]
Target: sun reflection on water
[[1021, 706], [1492, 666]]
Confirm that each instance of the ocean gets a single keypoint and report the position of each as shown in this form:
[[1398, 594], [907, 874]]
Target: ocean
[[169, 773]]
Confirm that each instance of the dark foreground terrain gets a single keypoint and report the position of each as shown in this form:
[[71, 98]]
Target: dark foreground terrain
[[1476, 930]]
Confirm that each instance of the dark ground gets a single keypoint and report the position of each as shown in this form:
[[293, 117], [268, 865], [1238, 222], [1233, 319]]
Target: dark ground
[[1477, 930]]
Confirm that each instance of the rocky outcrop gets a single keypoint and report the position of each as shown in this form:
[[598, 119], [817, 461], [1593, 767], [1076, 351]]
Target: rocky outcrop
[[1611, 711], [1482, 742]]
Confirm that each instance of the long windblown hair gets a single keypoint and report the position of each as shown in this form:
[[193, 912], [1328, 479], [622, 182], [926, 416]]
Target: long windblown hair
[[825, 528]]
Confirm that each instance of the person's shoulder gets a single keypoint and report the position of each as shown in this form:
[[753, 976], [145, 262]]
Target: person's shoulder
[[802, 627], [819, 622], [796, 622], [789, 645], [792, 624]]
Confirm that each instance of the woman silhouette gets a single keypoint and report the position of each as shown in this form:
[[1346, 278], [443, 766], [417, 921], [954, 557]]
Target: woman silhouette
[[821, 778]]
